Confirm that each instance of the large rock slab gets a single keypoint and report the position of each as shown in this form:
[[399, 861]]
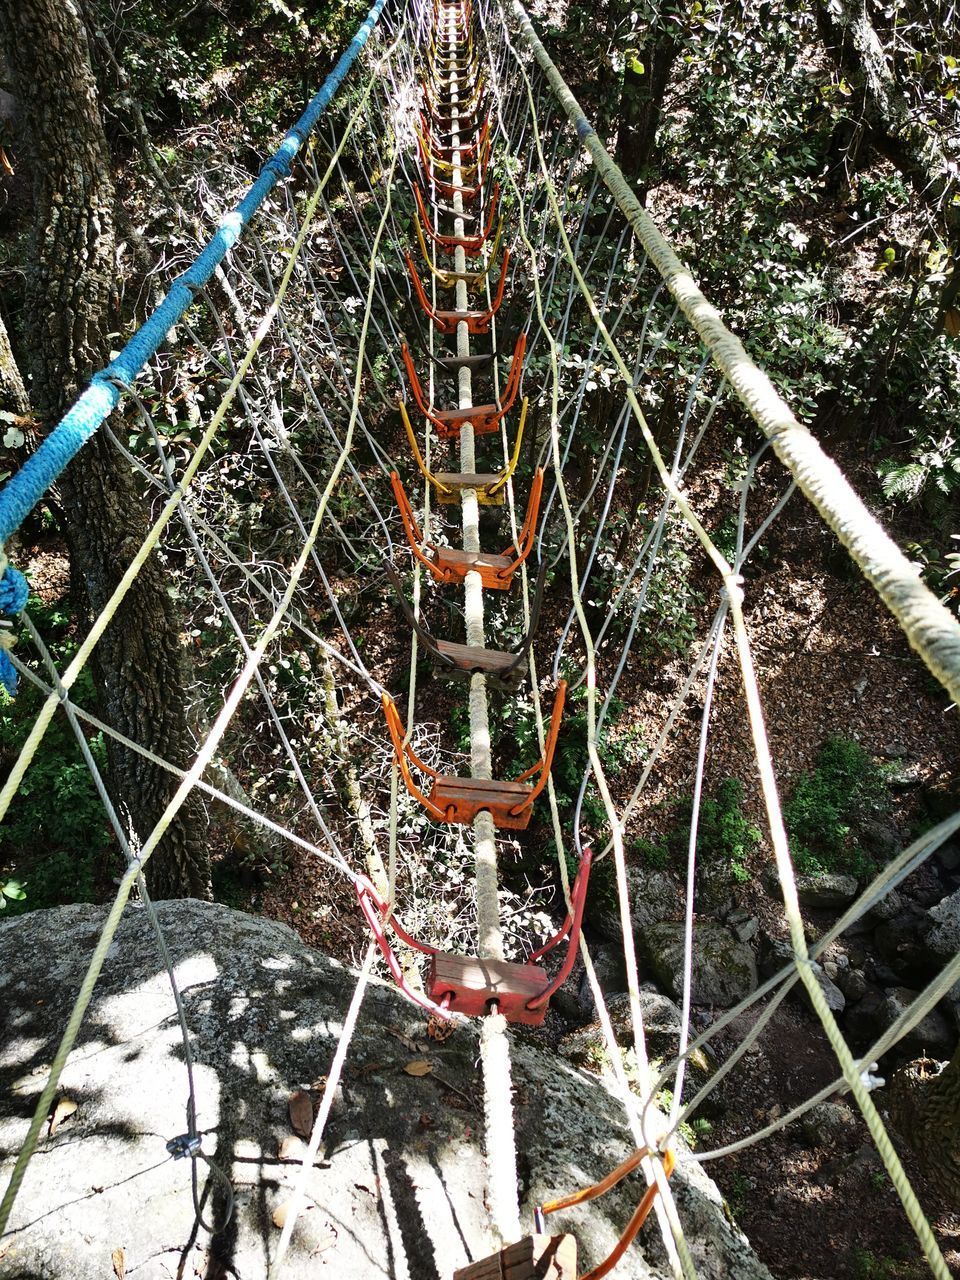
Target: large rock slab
[[399, 1189], [724, 970], [654, 896], [943, 939]]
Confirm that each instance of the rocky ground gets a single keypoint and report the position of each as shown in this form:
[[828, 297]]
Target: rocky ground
[[398, 1188]]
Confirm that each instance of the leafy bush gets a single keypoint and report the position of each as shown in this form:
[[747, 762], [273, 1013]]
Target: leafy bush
[[55, 838], [724, 832], [725, 836], [844, 787]]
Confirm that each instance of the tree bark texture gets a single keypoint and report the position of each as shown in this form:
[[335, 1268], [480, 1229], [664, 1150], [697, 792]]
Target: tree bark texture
[[641, 107], [896, 132], [138, 664], [13, 392], [927, 1112]]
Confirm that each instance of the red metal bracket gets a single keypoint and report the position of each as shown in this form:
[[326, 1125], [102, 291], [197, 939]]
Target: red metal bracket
[[376, 911], [471, 245]]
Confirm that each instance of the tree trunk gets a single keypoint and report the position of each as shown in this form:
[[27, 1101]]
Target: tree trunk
[[926, 1110], [895, 130], [13, 393], [139, 670], [641, 106]]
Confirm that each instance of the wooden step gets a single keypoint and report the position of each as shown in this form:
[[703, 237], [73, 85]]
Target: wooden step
[[539, 1257], [468, 362], [470, 658], [462, 799], [473, 984], [490, 568], [460, 480]]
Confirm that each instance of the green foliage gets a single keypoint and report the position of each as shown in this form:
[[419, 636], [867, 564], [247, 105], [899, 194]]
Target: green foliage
[[54, 839], [725, 836], [724, 832], [845, 786], [871, 1266]]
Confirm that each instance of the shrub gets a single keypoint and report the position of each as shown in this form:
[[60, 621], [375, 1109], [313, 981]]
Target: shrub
[[844, 787]]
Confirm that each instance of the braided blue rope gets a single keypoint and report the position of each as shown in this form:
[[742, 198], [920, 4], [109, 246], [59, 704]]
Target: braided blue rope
[[27, 486]]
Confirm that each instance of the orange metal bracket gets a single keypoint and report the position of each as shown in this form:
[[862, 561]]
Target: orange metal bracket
[[477, 322], [470, 195], [472, 246], [639, 1217], [436, 147], [448, 279], [449, 485], [485, 418], [430, 162], [405, 753], [449, 565], [465, 106], [458, 800]]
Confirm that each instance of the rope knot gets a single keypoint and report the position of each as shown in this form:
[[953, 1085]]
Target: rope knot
[[732, 589]]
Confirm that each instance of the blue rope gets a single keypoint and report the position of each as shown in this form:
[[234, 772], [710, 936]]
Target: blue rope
[[14, 593], [28, 485]]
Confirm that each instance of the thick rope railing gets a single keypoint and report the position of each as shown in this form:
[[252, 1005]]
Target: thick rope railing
[[928, 626]]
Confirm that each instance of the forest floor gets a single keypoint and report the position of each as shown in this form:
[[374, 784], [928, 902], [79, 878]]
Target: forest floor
[[830, 660]]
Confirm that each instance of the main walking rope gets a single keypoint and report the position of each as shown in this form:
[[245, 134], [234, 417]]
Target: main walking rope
[[450, 223]]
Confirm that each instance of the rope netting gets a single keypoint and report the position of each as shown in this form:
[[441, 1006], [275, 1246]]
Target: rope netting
[[264, 437]]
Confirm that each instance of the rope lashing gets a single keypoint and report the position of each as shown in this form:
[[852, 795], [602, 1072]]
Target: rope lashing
[[14, 594]]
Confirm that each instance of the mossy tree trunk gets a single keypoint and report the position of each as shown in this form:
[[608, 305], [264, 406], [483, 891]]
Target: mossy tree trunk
[[70, 298]]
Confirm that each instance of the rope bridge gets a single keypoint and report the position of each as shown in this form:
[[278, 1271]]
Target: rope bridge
[[412, 310]]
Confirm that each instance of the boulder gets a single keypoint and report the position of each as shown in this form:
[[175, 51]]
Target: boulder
[[942, 940], [743, 924], [886, 908], [662, 1022], [949, 855], [853, 984], [933, 1035], [611, 974], [398, 1189], [863, 1022], [829, 1123], [724, 970], [777, 952], [903, 945], [653, 897], [826, 890], [834, 996], [880, 838]]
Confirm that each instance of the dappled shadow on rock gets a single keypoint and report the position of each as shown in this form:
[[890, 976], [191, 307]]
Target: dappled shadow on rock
[[399, 1188]]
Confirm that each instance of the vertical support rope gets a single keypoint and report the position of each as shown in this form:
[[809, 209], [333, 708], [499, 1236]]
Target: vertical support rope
[[494, 1047]]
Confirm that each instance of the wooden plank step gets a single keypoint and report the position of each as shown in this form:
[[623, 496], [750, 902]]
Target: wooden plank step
[[538, 1257], [472, 559], [473, 658], [473, 984], [461, 799], [467, 362], [459, 480]]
